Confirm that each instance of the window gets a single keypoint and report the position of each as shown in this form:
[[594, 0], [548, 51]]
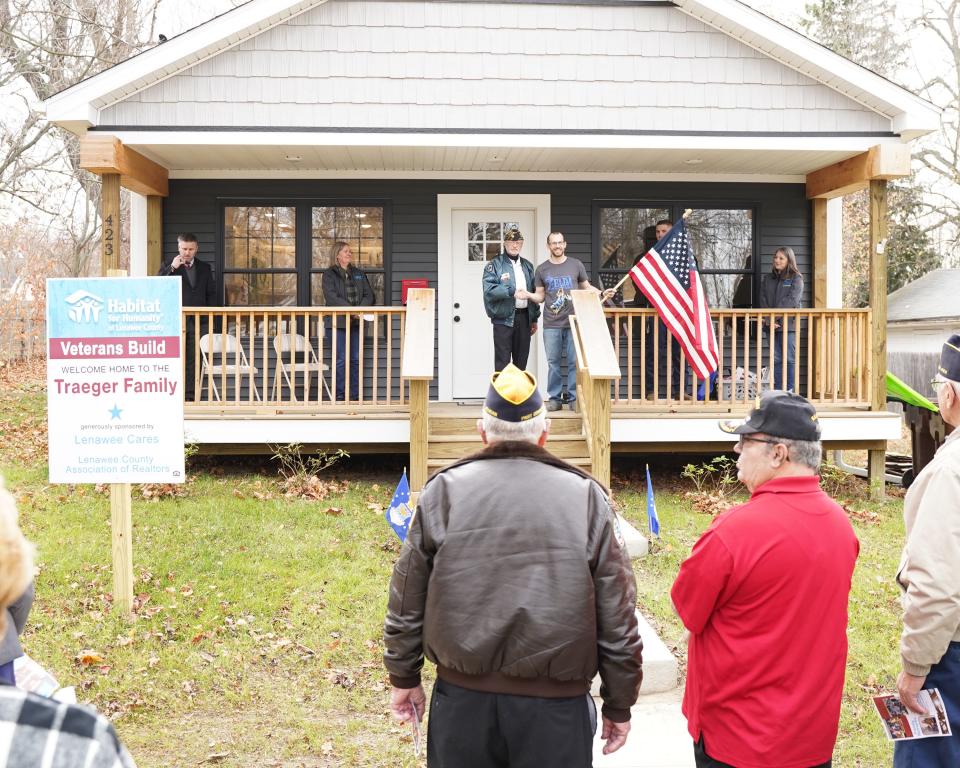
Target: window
[[275, 252], [259, 256], [362, 228], [722, 241], [626, 233], [721, 238]]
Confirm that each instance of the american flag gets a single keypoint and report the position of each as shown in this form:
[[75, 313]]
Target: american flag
[[667, 275]]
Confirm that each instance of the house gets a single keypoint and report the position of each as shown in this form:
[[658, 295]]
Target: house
[[417, 130], [920, 317]]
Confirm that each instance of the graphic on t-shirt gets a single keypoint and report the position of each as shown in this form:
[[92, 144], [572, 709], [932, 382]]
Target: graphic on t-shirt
[[559, 284]]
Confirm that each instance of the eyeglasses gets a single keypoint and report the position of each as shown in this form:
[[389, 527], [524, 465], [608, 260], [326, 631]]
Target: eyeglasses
[[745, 438], [935, 385]]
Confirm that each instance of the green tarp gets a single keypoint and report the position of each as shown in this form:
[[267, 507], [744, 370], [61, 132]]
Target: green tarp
[[897, 390]]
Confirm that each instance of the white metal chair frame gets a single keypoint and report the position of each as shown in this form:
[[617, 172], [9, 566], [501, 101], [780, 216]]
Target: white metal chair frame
[[225, 345], [283, 343]]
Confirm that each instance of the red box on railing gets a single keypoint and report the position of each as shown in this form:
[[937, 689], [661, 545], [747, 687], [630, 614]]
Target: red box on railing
[[414, 282]]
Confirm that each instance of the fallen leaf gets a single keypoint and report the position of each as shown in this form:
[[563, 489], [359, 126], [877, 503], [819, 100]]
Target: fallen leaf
[[217, 757], [335, 511], [88, 657]]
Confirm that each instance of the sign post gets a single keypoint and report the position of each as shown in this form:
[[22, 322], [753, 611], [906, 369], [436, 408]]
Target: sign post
[[114, 394]]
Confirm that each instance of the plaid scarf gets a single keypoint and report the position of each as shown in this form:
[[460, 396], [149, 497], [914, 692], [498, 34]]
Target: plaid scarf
[[351, 288]]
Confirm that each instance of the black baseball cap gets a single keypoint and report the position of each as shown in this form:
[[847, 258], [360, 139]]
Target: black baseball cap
[[949, 366], [779, 414]]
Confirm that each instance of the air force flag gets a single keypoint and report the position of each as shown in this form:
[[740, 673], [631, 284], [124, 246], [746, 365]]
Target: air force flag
[[399, 515]]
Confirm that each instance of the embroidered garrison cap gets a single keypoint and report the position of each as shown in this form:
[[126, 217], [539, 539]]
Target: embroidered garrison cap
[[513, 395], [779, 414], [949, 366], [512, 234]]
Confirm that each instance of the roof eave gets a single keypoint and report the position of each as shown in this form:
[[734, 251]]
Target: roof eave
[[911, 115], [74, 105]]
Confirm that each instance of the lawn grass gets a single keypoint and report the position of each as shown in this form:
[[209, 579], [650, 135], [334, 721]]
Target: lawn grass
[[257, 638]]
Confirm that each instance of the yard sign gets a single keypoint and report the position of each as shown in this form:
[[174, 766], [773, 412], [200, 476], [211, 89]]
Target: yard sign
[[114, 380]]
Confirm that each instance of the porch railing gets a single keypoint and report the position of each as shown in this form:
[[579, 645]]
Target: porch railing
[[270, 357], [831, 354]]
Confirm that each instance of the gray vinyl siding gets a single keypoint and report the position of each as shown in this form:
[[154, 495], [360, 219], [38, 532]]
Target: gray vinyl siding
[[449, 65], [782, 215]]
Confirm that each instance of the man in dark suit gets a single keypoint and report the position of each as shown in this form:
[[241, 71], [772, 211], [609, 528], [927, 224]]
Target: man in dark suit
[[198, 290]]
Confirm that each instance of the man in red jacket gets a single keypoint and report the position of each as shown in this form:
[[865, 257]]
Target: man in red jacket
[[764, 597]]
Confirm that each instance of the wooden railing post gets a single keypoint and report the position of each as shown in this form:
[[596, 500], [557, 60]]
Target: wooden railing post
[[416, 366], [599, 367]]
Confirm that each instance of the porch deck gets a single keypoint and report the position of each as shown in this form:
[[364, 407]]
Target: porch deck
[[263, 377], [386, 429]]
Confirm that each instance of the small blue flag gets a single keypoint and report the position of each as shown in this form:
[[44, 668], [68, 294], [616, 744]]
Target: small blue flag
[[652, 519], [399, 514]]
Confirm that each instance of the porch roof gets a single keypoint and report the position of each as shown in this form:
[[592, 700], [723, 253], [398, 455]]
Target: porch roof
[[672, 107]]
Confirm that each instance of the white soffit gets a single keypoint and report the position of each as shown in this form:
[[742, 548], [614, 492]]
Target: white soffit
[[777, 158]]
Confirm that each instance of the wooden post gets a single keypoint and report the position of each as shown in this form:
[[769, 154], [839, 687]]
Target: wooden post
[[878, 322], [819, 212], [109, 222], [419, 431], [416, 366], [154, 233], [600, 430], [121, 524]]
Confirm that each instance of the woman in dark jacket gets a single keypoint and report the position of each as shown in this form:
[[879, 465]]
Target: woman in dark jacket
[[782, 288], [345, 285]]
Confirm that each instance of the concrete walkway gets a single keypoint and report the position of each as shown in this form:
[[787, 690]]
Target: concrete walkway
[[658, 736]]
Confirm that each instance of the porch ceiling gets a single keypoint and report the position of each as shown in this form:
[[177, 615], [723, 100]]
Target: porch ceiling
[[772, 162]]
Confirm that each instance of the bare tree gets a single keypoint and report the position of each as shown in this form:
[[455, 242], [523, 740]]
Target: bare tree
[[47, 46], [939, 154]]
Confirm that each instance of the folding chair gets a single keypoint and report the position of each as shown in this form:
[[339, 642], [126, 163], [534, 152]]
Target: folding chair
[[304, 361], [232, 362]]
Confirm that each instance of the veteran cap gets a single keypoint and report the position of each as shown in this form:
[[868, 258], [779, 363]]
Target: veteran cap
[[949, 366], [779, 414], [512, 234], [513, 395]]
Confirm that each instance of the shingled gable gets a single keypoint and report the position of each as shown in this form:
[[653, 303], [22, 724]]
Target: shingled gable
[[84, 105]]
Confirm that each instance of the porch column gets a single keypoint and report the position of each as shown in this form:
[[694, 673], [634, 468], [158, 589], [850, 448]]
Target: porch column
[[835, 253], [871, 170], [154, 233], [878, 322], [138, 235], [109, 223]]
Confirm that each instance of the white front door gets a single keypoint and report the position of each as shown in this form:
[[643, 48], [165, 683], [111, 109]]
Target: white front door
[[469, 234], [476, 238]]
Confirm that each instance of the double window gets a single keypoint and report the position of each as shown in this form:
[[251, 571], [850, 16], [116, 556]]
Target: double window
[[275, 255], [722, 239]]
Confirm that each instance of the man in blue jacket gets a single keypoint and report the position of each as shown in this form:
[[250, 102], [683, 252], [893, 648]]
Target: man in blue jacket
[[507, 281]]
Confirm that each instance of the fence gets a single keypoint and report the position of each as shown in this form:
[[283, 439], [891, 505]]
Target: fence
[[22, 333], [830, 352]]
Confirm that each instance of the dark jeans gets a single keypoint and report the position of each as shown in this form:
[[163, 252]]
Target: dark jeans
[[675, 370], [778, 382], [705, 761], [470, 729], [941, 751], [512, 342], [6, 672], [341, 363]]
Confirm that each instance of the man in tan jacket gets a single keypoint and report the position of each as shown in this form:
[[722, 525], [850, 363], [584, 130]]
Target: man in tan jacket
[[929, 576]]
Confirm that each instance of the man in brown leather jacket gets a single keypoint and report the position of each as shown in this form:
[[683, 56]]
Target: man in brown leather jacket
[[513, 580]]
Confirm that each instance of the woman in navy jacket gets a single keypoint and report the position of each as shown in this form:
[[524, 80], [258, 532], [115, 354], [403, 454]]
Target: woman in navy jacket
[[782, 288]]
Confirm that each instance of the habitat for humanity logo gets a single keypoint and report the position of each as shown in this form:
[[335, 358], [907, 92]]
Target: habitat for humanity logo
[[84, 307]]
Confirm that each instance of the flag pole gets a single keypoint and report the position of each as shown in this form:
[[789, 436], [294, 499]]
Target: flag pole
[[686, 213]]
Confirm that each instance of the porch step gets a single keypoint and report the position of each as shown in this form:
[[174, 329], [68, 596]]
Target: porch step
[[660, 669], [455, 447], [561, 423], [583, 462]]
